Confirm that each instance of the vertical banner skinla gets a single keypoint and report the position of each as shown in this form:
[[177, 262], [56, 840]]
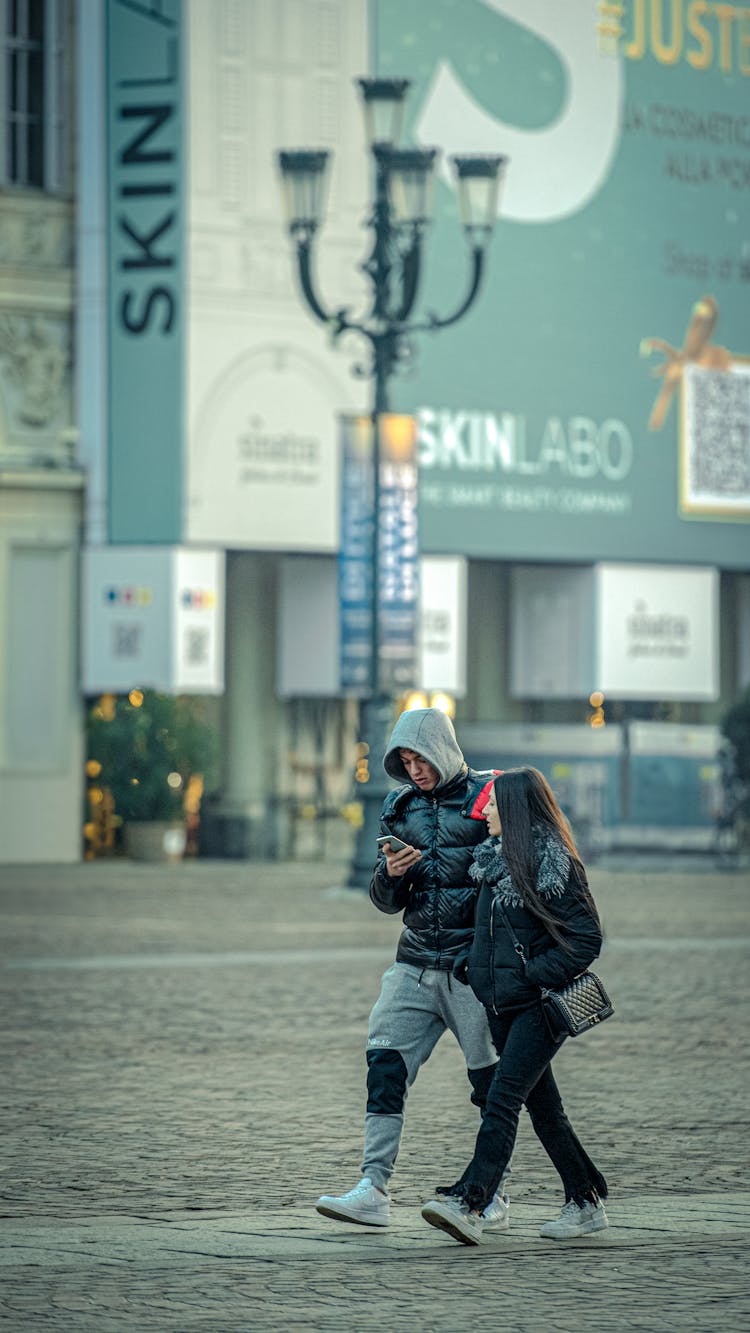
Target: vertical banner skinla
[[379, 639], [145, 227]]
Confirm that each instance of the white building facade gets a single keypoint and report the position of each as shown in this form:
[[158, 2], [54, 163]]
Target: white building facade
[[164, 396]]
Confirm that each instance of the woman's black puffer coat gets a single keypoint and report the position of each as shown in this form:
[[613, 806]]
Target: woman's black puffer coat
[[495, 971], [437, 894]]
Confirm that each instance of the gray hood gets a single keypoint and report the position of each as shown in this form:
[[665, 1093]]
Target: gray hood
[[428, 732]]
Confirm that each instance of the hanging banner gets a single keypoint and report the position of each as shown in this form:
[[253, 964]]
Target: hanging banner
[[378, 642], [144, 232], [398, 555], [355, 563]]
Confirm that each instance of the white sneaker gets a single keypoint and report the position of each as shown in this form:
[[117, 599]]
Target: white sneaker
[[495, 1214], [453, 1216], [575, 1220], [364, 1204]]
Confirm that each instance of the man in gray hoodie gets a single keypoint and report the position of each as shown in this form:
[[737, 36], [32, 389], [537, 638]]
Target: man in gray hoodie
[[437, 812]]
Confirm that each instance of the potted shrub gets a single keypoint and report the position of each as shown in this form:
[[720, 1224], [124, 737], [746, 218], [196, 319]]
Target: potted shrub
[[149, 747]]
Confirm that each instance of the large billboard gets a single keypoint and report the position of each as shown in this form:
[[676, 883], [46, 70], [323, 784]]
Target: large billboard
[[595, 403]]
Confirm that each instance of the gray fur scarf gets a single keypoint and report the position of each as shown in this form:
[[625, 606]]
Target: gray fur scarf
[[551, 858]]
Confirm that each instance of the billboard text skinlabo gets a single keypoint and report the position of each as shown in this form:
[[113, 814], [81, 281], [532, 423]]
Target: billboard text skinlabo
[[594, 403]]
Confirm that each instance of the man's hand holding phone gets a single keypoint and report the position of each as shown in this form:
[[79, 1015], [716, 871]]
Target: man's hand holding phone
[[399, 856]]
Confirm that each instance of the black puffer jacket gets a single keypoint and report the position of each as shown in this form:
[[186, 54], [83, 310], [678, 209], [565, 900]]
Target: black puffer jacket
[[495, 971], [437, 894]]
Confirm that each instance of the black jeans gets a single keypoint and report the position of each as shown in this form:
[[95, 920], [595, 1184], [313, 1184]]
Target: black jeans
[[523, 1075]]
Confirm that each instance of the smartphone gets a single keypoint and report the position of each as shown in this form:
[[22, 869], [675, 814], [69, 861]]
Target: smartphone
[[396, 844]]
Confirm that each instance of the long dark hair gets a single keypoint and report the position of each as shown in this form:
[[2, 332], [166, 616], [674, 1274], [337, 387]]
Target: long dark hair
[[525, 801]]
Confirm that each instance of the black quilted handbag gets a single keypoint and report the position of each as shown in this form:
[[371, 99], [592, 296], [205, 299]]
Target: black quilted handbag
[[574, 1008]]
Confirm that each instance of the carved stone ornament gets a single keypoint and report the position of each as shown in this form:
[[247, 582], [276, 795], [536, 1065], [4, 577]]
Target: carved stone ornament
[[36, 235], [35, 356]]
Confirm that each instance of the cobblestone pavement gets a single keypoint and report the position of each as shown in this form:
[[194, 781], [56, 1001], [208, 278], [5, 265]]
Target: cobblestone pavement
[[183, 1073]]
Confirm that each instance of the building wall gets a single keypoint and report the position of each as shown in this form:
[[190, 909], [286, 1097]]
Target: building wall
[[41, 488], [41, 734], [262, 74]]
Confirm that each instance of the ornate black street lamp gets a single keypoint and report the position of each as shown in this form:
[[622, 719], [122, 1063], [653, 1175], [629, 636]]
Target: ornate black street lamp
[[401, 209]]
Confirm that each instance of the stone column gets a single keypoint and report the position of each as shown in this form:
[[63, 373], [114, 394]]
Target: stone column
[[242, 820]]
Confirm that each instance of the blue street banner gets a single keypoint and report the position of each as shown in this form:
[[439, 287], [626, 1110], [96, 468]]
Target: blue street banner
[[398, 554], [378, 642], [355, 563]]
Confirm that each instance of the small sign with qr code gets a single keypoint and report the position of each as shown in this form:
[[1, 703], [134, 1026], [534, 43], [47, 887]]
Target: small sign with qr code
[[715, 443], [126, 641], [197, 644]]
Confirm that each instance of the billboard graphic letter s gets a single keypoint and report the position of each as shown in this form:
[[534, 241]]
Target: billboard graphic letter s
[[555, 171]]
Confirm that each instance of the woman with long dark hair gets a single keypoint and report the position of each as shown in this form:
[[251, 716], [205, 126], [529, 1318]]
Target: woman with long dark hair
[[532, 886]]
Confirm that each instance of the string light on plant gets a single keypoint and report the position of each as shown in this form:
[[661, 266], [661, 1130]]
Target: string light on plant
[[596, 718], [145, 755]]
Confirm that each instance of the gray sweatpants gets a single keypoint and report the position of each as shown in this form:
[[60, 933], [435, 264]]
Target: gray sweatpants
[[413, 1010]]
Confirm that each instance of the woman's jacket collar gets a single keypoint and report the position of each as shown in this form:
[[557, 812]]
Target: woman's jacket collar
[[551, 858]]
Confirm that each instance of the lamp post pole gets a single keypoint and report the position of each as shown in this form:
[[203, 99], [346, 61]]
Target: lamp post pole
[[403, 179]]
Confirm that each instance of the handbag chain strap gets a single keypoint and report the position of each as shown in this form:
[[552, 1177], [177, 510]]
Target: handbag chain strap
[[517, 945]]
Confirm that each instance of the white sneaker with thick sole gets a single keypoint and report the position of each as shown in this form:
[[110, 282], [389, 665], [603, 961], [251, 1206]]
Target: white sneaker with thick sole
[[495, 1215], [364, 1204], [453, 1216], [576, 1220]]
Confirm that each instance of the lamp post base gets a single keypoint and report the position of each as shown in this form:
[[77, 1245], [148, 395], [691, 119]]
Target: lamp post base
[[376, 724]]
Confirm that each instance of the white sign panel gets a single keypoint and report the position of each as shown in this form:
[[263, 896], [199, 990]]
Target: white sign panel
[[657, 632], [551, 646], [152, 617], [263, 467], [307, 644], [442, 642], [198, 621]]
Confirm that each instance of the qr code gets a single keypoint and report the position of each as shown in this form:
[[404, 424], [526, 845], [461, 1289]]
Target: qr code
[[196, 647], [126, 641], [716, 441]]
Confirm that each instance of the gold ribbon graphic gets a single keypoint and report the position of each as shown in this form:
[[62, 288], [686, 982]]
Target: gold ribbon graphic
[[697, 351]]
